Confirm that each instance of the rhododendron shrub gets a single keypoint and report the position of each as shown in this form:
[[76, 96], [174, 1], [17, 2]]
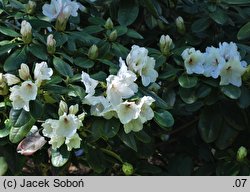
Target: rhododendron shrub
[[123, 87]]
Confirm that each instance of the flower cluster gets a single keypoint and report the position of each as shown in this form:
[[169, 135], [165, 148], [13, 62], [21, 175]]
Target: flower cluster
[[139, 62], [64, 129], [224, 61], [132, 113], [22, 94]]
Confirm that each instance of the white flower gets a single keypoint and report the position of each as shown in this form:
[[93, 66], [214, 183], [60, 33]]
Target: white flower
[[11, 79], [137, 58], [231, 73], [57, 141], [18, 102], [62, 8], [127, 111], [193, 61], [73, 142], [229, 51], [73, 109], [25, 28], [134, 125], [24, 72], [68, 125], [42, 72], [148, 73], [89, 83], [121, 86], [146, 113], [28, 90], [49, 127], [166, 44], [213, 62]]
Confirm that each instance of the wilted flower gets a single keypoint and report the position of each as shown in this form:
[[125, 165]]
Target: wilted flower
[[26, 31], [3, 85]]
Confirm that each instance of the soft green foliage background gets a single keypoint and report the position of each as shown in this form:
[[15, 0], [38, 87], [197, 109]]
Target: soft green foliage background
[[198, 125]]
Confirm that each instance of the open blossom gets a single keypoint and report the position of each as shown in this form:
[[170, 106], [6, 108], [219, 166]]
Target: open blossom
[[214, 62], [193, 61], [21, 95], [231, 73], [42, 72], [11, 79], [61, 8], [64, 129], [137, 58], [148, 73], [89, 83], [229, 51], [127, 111], [121, 86]]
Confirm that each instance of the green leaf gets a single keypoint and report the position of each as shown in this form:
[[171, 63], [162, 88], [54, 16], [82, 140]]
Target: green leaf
[[226, 137], [231, 91], [95, 159], [59, 157], [210, 124], [244, 32], [93, 29], [5, 48], [5, 131], [38, 51], [158, 101], [188, 95], [119, 50], [8, 32], [164, 119], [143, 136], [14, 61], [200, 25], [111, 128], [3, 166], [62, 67], [187, 81], [219, 16], [244, 100], [84, 62], [132, 33], [128, 12], [150, 6], [36, 109], [128, 139], [236, 2], [38, 24], [21, 122]]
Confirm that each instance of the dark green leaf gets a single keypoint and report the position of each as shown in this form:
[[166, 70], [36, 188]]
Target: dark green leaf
[[231, 91], [244, 32], [210, 124], [38, 51], [8, 32], [59, 156], [128, 12], [187, 81], [84, 62], [164, 119], [62, 67], [128, 139], [200, 25], [14, 61]]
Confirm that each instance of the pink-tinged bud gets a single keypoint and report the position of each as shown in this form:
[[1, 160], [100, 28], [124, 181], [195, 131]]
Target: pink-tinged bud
[[31, 144], [51, 44]]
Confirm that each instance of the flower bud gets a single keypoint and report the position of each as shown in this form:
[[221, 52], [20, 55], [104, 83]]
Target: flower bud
[[166, 44], [93, 52], [24, 72], [109, 24], [113, 35], [30, 7], [63, 108], [3, 85], [180, 25], [26, 31], [241, 153], [127, 169], [51, 44], [11, 79], [81, 117], [62, 19], [73, 109]]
